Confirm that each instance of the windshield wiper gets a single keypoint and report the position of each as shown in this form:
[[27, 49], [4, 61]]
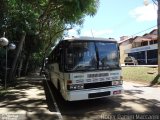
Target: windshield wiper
[[83, 68], [79, 67], [105, 67]]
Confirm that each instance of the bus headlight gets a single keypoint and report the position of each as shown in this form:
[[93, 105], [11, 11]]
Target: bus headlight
[[117, 82], [75, 86]]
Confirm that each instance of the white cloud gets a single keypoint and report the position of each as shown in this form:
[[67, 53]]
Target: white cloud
[[144, 13], [72, 32], [97, 33]]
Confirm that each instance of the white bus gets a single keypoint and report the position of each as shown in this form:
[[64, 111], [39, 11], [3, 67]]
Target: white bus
[[86, 68]]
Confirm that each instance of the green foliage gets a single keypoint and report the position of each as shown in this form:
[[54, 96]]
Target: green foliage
[[44, 21], [37, 59], [139, 74]]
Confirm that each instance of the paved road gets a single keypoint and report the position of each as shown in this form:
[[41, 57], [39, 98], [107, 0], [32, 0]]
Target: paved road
[[146, 92], [137, 100]]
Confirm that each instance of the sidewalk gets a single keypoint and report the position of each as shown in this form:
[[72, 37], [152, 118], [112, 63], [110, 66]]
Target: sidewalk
[[142, 91], [27, 101]]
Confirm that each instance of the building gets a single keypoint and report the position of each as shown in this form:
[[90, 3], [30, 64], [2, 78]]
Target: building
[[143, 48]]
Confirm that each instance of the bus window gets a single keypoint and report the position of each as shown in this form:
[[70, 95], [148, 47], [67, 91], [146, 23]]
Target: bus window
[[80, 56], [85, 56], [108, 55]]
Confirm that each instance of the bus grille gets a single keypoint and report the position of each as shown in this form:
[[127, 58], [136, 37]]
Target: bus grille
[[97, 75], [93, 95], [97, 84]]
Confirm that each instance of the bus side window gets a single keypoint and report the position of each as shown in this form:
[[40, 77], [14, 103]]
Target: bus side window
[[61, 60], [50, 58], [59, 57], [56, 57]]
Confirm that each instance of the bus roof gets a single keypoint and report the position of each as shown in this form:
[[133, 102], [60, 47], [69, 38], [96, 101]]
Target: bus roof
[[90, 38]]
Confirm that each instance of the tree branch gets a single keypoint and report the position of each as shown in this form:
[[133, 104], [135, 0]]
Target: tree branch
[[50, 43]]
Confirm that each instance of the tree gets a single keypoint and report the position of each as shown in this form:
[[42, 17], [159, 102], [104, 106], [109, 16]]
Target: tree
[[43, 22]]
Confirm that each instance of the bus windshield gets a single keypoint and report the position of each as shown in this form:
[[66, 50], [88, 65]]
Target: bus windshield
[[87, 55]]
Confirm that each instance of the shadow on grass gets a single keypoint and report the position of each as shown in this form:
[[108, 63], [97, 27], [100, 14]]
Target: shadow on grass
[[155, 81]]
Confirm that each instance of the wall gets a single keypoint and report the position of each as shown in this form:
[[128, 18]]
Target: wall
[[124, 46]]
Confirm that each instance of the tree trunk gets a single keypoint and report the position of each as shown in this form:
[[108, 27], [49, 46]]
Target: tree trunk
[[42, 67], [19, 48], [15, 72], [20, 67], [158, 23], [27, 63]]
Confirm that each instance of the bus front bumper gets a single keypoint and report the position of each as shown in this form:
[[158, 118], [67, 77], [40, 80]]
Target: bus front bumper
[[93, 93]]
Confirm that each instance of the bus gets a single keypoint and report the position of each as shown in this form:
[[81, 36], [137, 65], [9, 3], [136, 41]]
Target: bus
[[86, 68]]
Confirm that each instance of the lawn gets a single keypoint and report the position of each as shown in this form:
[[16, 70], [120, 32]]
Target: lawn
[[141, 74]]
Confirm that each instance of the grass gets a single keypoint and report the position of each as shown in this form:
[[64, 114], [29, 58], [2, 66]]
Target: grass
[[141, 74]]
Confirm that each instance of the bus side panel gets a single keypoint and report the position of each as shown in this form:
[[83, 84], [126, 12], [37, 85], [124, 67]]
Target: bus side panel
[[57, 76], [54, 74], [66, 76]]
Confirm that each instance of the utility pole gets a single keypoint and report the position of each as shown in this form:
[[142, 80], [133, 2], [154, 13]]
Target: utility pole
[[158, 25]]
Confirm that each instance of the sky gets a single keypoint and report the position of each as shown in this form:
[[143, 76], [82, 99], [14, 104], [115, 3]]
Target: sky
[[116, 18]]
